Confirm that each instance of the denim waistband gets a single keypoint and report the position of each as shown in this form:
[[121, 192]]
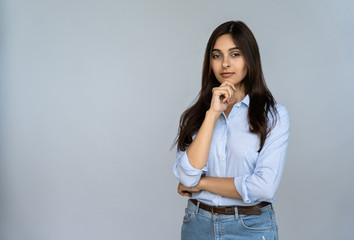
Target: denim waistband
[[192, 207]]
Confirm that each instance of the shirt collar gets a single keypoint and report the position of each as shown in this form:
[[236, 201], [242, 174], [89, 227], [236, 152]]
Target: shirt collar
[[246, 100]]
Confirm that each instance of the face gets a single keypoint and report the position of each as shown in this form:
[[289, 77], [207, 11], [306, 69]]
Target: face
[[227, 61]]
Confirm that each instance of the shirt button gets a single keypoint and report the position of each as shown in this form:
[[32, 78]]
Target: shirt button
[[237, 104], [222, 159], [224, 139]]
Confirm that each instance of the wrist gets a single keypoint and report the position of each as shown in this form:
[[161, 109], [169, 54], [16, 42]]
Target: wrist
[[202, 183], [212, 114]]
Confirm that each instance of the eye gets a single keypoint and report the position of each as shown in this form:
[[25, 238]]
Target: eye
[[216, 56], [235, 54]]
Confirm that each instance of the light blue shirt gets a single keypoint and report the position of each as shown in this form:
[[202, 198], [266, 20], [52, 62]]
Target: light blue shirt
[[233, 153]]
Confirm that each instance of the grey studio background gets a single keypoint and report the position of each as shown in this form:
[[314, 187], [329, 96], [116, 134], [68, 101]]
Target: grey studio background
[[91, 95]]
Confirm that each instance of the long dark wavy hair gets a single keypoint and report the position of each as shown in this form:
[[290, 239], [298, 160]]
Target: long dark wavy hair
[[261, 100]]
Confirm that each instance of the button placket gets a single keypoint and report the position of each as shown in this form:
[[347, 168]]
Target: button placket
[[223, 157]]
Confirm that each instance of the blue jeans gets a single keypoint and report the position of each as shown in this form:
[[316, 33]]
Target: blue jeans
[[204, 225]]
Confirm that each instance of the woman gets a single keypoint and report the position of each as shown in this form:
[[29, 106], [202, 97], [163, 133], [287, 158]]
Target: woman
[[232, 144]]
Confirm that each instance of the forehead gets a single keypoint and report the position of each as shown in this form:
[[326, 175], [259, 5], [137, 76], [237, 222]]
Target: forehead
[[224, 42]]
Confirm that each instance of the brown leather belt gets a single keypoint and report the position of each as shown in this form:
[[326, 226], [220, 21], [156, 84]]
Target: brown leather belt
[[230, 210]]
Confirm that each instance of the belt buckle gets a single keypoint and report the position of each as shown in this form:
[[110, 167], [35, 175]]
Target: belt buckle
[[212, 211]]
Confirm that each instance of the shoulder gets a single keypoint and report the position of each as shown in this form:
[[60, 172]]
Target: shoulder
[[282, 111], [281, 116]]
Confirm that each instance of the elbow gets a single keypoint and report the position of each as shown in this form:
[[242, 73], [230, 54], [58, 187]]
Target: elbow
[[263, 190], [267, 193], [186, 180], [186, 174], [262, 194], [190, 182]]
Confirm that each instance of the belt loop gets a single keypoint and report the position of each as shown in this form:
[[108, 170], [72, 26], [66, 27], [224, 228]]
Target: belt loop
[[236, 213], [197, 209]]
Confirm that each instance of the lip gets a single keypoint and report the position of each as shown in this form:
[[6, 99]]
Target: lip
[[227, 74]]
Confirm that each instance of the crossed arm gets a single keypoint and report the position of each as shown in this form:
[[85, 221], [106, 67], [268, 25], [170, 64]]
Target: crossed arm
[[197, 154], [221, 186]]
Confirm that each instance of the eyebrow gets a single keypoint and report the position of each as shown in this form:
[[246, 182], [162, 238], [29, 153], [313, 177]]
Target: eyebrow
[[218, 50]]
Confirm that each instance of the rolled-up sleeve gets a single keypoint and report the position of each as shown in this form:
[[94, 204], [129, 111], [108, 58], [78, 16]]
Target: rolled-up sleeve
[[263, 183], [185, 172]]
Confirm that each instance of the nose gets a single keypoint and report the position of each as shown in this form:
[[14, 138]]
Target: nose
[[225, 62]]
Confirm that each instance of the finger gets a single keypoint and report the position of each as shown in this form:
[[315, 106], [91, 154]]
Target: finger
[[179, 189], [187, 194], [223, 94], [229, 90], [227, 95], [182, 193], [231, 87], [182, 190], [229, 84]]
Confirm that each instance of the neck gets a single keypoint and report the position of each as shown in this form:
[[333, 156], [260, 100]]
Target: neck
[[239, 94]]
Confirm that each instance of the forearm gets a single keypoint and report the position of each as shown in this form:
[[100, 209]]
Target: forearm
[[221, 186], [198, 151]]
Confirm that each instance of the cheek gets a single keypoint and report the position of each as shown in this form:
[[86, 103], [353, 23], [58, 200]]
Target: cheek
[[215, 70], [213, 66], [245, 71], [243, 68], [242, 65]]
